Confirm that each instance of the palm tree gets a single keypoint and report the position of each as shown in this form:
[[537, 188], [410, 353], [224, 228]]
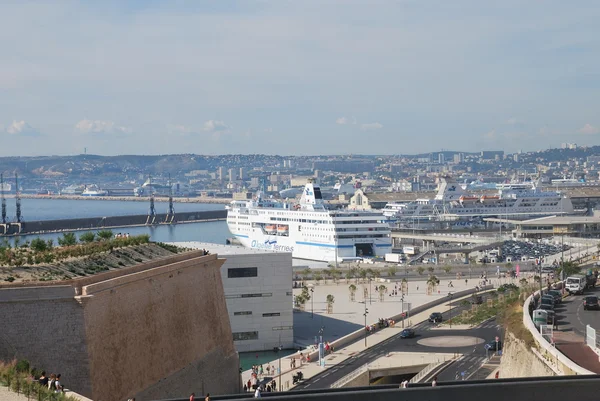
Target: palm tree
[[432, 283], [392, 271], [330, 300], [352, 289], [382, 289]]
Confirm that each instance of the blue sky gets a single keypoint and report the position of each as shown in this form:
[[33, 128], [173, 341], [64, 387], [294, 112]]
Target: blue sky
[[303, 77]]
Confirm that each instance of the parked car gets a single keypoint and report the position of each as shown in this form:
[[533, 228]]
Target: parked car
[[550, 298], [556, 294], [407, 333], [547, 301], [547, 308], [590, 302], [493, 346], [435, 317]]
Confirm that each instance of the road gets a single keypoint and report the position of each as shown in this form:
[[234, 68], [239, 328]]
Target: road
[[473, 356], [572, 317]]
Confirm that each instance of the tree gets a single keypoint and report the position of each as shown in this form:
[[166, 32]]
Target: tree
[[348, 276], [330, 300], [569, 268], [363, 274], [105, 234], [447, 269], [67, 239], [87, 237], [352, 289], [420, 270], [509, 265], [38, 245], [430, 269], [392, 271], [382, 289], [306, 293], [432, 283], [318, 277], [306, 273]]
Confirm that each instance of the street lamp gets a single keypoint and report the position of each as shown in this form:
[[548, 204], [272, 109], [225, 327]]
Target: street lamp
[[365, 315], [370, 299], [312, 303], [277, 350], [321, 348], [450, 309]]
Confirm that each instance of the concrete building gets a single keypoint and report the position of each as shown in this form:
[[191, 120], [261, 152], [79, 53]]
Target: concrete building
[[220, 173], [232, 175], [150, 331], [258, 291], [242, 173]]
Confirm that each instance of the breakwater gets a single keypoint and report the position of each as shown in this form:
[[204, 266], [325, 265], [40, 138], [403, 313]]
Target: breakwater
[[91, 223]]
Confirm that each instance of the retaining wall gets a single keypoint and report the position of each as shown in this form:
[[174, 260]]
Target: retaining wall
[[156, 332]]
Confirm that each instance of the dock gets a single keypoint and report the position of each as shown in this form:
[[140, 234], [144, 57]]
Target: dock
[[108, 222]]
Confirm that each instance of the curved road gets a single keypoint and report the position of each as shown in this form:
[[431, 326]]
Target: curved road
[[574, 318], [473, 355]]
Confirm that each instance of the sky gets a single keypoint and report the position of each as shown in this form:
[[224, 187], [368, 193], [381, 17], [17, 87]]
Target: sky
[[297, 77]]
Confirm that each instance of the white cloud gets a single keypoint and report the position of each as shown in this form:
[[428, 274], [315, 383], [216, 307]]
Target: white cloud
[[86, 126], [371, 126], [589, 129], [215, 126], [21, 128], [345, 121]]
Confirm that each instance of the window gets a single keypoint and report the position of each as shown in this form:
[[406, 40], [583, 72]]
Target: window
[[238, 272], [264, 294], [271, 314], [242, 313], [245, 335], [289, 293]]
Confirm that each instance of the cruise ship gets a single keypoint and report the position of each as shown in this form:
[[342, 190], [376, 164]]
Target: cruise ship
[[308, 229], [514, 200]]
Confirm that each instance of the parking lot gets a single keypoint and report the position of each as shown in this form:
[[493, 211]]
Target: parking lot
[[517, 251]]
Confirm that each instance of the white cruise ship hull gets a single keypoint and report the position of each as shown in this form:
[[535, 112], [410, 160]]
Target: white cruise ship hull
[[307, 249]]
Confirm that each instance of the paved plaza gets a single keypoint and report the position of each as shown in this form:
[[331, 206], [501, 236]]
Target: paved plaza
[[348, 316]]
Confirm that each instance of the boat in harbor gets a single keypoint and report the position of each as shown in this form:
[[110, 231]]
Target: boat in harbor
[[513, 200], [308, 229], [93, 190]]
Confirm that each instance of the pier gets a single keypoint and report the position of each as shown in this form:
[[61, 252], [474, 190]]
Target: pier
[[93, 223]]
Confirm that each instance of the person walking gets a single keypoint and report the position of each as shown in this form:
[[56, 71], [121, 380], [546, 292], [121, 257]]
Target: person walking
[[257, 393], [43, 380], [207, 398], [192, 396], [434, 382]]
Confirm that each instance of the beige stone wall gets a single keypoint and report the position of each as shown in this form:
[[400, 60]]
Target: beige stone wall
[[145, 327], [45, 326], [155, 333], [519, 361]]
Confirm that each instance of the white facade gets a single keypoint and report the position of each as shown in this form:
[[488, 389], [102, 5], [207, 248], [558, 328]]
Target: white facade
[[258, 291]]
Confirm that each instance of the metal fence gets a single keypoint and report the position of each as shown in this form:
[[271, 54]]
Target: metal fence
[[350, 376]]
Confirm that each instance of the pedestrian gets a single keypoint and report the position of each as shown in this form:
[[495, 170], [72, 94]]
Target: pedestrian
[[268, 388], [192, 396], [249, 384], [268, 370], [207, 398], [52, 382], [257, 393], [245, 388], [43, 380], [404, 384], [434, 382], [58, 385]]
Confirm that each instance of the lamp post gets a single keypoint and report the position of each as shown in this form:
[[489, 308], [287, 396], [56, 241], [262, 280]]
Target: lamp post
[[312, 303], [365, 315], [370, 298], [450, 309], [277, 350], [321, 348]]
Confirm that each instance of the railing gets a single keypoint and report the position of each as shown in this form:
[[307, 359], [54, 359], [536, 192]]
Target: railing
[[350, 376], [428, 369]]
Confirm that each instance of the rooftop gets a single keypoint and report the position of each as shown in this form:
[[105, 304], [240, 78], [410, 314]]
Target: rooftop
[[223, 250], [563, 220]]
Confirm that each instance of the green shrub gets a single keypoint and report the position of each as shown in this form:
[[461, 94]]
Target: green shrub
[[22, 366], [38, 245], [87, 237]]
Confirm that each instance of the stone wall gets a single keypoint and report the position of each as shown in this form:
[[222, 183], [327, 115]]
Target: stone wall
[[519, 361], [155, 333]]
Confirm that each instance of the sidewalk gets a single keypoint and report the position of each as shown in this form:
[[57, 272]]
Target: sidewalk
[[312, 369]]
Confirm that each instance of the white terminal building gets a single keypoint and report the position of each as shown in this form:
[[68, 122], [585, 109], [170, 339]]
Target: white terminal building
[[258, 291]]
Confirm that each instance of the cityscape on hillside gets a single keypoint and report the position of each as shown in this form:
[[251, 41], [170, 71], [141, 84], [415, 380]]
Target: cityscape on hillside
[[223, 176]]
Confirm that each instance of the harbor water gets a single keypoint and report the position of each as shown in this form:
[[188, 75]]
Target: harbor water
[[50, 209]]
